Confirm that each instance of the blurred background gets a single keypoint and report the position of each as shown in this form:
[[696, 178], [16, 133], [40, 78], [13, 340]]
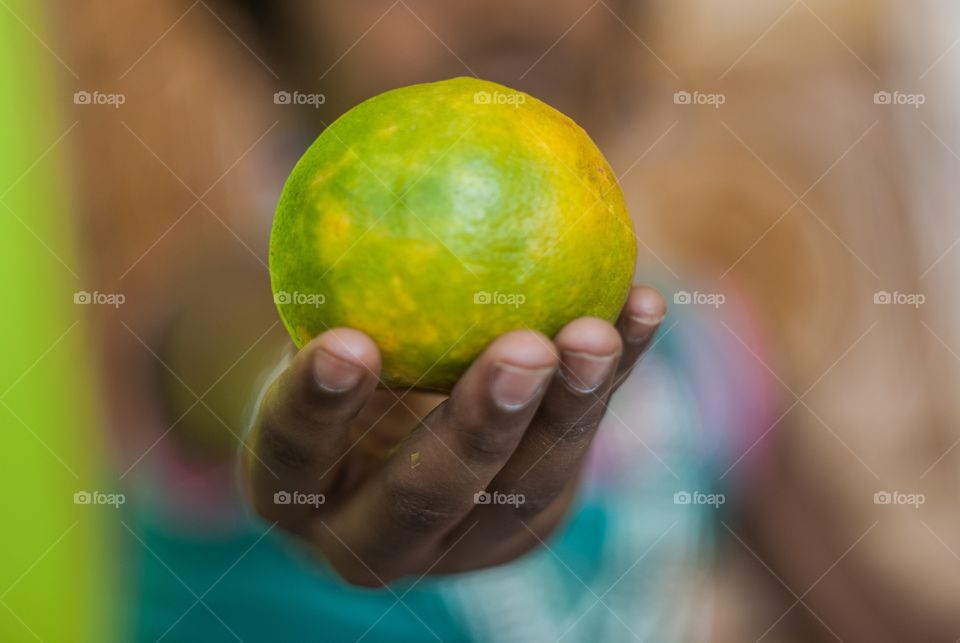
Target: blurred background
[[790, 166]]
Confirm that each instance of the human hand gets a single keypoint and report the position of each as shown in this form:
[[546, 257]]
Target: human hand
[[518, 422]]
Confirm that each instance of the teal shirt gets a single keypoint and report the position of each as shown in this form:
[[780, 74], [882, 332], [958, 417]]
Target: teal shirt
[[263, 587]]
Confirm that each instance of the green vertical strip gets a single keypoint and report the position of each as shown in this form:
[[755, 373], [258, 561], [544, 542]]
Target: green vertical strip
[[54, 569]]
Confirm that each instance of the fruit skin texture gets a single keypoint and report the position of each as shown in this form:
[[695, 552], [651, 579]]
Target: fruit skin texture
[[420, 204]]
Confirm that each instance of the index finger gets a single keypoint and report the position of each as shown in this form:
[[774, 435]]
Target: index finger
[[301, 428]]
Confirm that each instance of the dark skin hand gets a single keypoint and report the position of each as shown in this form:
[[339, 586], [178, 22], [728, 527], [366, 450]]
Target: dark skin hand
[[519, 421]]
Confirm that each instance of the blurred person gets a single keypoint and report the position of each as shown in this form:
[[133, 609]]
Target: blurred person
[[798, 396]]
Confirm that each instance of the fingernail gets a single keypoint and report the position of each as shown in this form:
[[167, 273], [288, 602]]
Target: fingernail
[[639, 328], [514, 386], [334, 374], [585, 372]]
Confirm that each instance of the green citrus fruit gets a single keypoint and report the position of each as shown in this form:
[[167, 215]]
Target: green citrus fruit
[[438, 216]]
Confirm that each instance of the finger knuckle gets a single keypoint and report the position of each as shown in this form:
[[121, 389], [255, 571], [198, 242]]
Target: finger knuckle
[[572, 430], [487, 444], [416, 509], [284, 450]]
